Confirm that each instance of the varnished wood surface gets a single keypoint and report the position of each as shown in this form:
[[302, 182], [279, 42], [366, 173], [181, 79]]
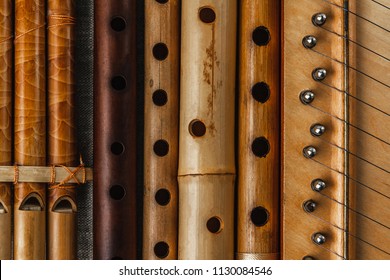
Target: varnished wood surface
[[258, 175], [62, 219], [6, 68], [162, 33], [30, 127], [206, 154]]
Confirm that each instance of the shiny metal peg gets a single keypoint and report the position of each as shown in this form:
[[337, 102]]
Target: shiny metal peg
[[309, 151], [317, 129], [318, 185], [318, 238], [319, 74], [309, 41], [309, 206], [307, 97], [319, 19]]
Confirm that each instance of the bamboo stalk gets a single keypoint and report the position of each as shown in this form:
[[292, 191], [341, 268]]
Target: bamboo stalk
[[162, 22], [259, 121], [6, 68], [62, 207], [30, 127], [206, 156]]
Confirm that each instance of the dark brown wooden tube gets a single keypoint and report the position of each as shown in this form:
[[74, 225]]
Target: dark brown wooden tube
[[259, 102], [6, 68], [114, 196], [62, 218], [30, 127], [162, 39]]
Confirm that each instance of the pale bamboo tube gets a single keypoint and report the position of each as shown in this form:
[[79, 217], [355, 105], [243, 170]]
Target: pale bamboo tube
[[62, 208], [6, 67], [30, 127], [258, 141], [162, 22], [206, 149]]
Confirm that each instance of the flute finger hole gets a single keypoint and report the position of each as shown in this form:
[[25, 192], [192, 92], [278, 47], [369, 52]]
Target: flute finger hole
[[261, 36], [161, 148], [161, 250], [117, 192], [163, 197], [160, 51], [261, 92], [260, 147], [197, 128], [207, 15], [259, 216], [214, 225], [118, 83], [118, 24], [117, 148], [160, 97], [162, 1]]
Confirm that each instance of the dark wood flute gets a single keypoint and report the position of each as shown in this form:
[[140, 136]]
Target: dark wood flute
[[207, 111], [114, 196], [162, 40], [6, 68], [62, 218], [30, 127], [258, 140]]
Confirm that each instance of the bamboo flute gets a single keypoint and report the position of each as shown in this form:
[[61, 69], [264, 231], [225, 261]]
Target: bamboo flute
[[114, 196], [6, 68], [30, 127], [258, 141], [162, 21], [62, 207], [206, 149]]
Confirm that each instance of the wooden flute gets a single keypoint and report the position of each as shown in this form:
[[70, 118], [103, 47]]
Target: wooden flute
[[206, 143], [258, 139], [6, 77], [114, 196], [62, 207], [30, 127], [162, 21]]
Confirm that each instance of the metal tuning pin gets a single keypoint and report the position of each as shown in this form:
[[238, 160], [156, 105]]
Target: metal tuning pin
[[309, 206], [319, 74], [317, 129], [306, 97], [318, 238], [318, 185], [319, 19], [309, 151], [309, 41]]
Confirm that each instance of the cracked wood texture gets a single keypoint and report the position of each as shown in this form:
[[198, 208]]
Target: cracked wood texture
[[62, 210], [6, 68], [259, 118], [206, 135], [162, 26], [114, 193], [30, 127]]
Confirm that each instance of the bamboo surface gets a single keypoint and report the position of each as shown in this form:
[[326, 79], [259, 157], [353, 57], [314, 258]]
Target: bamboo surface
[[259, 117], [206, 135], [162, 25], [30, 127], [6, 68], [62, 209]]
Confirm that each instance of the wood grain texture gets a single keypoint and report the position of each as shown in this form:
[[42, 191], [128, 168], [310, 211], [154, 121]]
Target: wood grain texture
[[160, 230], [298, 171], [62, 218], [30, 127], [6, 68], [206, 134], [258, 175]]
